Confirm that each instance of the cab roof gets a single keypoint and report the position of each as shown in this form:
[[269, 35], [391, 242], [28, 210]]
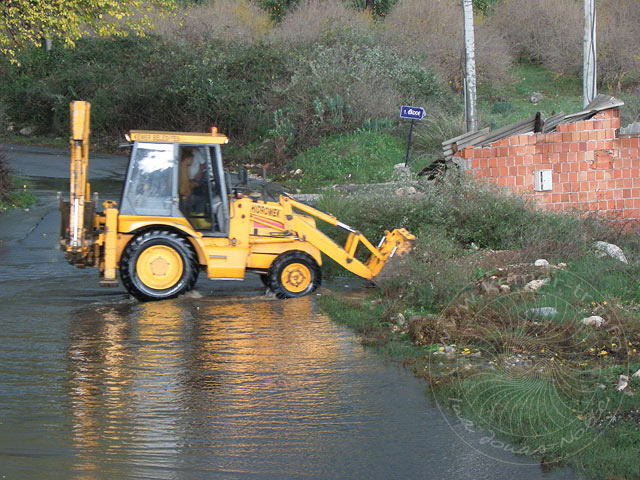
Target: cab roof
[[177, 137]]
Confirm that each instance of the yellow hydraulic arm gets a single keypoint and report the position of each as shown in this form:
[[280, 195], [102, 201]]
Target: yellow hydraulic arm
[[398, 242], [79, 190]]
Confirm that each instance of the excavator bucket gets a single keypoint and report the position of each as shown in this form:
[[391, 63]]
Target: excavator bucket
[[393, 246]]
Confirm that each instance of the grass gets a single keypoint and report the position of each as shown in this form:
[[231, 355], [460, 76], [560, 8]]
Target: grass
[[18, 197], [511, 103], [360, 157]]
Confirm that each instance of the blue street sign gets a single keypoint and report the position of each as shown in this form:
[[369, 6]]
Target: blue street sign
[[412, 113]]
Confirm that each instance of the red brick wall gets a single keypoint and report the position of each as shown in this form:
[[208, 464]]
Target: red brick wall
[[593, 170]]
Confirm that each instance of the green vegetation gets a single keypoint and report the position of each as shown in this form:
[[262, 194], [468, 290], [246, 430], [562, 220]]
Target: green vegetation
[[361, 157], [541, 383]]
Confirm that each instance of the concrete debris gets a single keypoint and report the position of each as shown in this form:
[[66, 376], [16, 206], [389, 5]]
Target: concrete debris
[[535, 285], [541, 262], [543, 313], [401, 171], [404, 192], [623, 382], [28, 131], [398, 319], [536, 97], [604, 249], [593, 321]]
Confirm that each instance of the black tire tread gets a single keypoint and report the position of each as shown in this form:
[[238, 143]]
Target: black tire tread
[[135, 246], [293, 256]]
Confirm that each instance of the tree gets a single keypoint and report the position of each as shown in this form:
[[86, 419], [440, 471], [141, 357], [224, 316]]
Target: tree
[[25, 23]]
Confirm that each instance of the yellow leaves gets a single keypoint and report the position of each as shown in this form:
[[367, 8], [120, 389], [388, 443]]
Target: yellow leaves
[[27, 23]]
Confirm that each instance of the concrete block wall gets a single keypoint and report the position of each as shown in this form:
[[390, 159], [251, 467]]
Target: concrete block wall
[[593, 169]]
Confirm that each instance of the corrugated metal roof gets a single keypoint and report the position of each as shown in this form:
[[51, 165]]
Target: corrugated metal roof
[[534, 124]]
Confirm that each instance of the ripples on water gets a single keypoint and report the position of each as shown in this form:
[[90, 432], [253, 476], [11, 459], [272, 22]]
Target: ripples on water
[[167, 382]]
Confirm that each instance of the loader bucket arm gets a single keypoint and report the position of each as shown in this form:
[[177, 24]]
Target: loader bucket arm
[[393, 244], [76, 235]]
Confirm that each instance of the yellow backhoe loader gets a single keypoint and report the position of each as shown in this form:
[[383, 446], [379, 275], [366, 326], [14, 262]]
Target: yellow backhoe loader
[[179, 214]]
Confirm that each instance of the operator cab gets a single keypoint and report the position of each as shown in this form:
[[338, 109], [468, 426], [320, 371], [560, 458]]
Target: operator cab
[[178, 175]]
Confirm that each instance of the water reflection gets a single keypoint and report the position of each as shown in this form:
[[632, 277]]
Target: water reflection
[[157, 380], [238, 387]]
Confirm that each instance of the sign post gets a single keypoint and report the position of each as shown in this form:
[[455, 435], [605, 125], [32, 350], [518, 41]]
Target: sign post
[[410, 113]]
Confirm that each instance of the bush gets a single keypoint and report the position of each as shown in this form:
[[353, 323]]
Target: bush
[[438, 29], [548, 32], [618, 42], [339, 88], [170, 86], [323, 22], [5, 181], [471, 212], [237, 21]]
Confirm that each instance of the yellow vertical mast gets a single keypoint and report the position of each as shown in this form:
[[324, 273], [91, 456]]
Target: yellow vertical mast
[[79, 188]]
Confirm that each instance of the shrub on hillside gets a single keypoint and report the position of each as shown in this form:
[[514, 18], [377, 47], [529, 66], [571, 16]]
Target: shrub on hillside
[[547, 31], [618, 41], [340, 87], [169, 85], [323, 22], [4, 118], [483, 214], [551, 32], [437, 30], [5, 182], [239, 21]]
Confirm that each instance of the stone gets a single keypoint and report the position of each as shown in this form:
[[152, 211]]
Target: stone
[[536, 97], [593, 321], [637, 374], [404, 192], [401, 171], [541, 262], [543, 313], [28, 131], [604, 249], [623, 382], [535, 285], [505, 289], [399, 319]]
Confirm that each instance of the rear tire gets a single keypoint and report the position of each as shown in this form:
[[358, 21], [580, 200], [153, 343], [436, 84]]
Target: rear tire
[[158, 265], [294, 274]]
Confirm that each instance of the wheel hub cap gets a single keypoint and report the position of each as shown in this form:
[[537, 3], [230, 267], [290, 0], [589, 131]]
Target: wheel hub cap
[[296, 277], [159, 267]]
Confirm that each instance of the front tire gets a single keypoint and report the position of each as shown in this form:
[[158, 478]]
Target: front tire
[[294, 274], [158, 265]]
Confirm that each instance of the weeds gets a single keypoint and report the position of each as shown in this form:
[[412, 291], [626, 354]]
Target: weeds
[[12, 195]]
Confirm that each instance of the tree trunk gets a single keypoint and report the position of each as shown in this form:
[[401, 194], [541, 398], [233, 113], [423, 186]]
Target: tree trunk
[[369, 4]]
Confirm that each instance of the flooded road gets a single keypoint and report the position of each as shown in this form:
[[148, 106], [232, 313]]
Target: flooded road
[[223, 383]]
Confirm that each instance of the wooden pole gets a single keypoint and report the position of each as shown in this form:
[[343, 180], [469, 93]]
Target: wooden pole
[[589, 73], [470, 67]]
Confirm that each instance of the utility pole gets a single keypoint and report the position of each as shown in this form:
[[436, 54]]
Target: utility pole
[[470, 67], [589, 74]]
